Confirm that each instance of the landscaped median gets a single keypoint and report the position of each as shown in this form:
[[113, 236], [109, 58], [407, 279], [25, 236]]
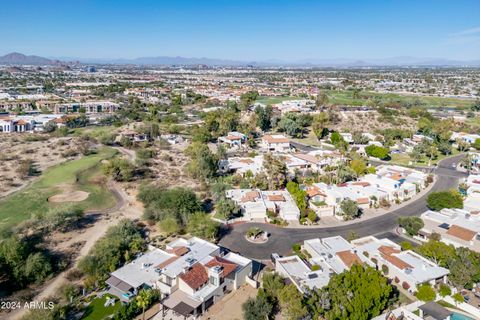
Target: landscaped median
[[70, 181]]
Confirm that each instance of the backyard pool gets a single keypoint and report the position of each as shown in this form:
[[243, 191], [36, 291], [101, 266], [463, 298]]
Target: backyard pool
[[458, 316]]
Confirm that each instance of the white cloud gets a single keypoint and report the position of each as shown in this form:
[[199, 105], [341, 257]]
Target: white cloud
[[467, 32], [467, 36]]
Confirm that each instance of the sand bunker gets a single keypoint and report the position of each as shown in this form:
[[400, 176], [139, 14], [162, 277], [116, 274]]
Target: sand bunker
[[73, 196]]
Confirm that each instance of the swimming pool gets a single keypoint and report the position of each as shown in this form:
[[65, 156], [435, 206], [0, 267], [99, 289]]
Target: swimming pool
[[458, 316]]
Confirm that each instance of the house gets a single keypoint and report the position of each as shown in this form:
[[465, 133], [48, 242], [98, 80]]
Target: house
[[417, 138], [191, 275], [334, 254], [362, 192], [234, 139], [281, 203], [473, 183], [475, 156], [471, 203], [401, 313], [250, 202], [405, 268], [396, 189], [294, 164], [255, 203], [457, 227], [317, 160], [134, 136], [294, 106], [347, 136], [27, 123], [328, 256], [275, 142], [172, 138], [242, 165], [301, 275], [466, 137]]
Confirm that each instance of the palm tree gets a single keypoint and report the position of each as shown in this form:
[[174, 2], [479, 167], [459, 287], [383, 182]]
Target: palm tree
[[143, 300]]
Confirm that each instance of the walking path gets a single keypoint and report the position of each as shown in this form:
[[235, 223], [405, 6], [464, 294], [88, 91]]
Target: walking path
[[109, 217]]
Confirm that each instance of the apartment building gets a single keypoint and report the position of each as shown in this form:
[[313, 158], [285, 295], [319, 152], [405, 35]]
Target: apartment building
[[88, 107]]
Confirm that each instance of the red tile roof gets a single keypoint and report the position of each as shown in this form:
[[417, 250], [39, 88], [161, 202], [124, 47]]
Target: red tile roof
[[196, 277], [228, 266]]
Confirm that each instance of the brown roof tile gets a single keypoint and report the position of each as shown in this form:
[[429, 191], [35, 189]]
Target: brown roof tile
[[271, 139], [250, 196], [461, 233], [363, 200], [196, 277], [307, 157], [348, 258], [399, 263], [276, 197], [228, 266], [179, 251], [166, 262], [388, 250]]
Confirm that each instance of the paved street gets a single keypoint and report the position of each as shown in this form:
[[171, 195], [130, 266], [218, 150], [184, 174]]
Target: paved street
[[282, 239]]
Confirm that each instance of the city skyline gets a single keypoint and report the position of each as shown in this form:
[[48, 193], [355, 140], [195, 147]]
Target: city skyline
[[285, 31]]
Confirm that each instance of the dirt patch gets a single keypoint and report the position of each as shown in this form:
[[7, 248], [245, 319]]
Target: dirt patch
[[73, 196], [231, 302]]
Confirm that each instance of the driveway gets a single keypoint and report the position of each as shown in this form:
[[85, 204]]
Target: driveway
[[282, 239]]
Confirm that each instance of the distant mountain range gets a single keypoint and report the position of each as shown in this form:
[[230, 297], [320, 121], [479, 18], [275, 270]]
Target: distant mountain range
[[21, 59]]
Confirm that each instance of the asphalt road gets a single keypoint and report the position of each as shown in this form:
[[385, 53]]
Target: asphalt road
[[282, 239]]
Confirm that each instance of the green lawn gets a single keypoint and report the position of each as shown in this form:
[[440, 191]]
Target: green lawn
[[96, 310], [94, 131], [309, 139], [81, 174], [273, 100], [475, 121], [345, 97], [404, 159]]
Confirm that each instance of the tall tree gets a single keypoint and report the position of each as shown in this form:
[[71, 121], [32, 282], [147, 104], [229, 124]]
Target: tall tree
[[257, 308], [276, 171], [361, 293], [291, 303]]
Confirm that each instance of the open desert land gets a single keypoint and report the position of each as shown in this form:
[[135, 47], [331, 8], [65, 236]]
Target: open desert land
[[43, 152], [78, 182]]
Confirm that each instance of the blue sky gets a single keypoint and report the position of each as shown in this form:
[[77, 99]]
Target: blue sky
[[244, 30]]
